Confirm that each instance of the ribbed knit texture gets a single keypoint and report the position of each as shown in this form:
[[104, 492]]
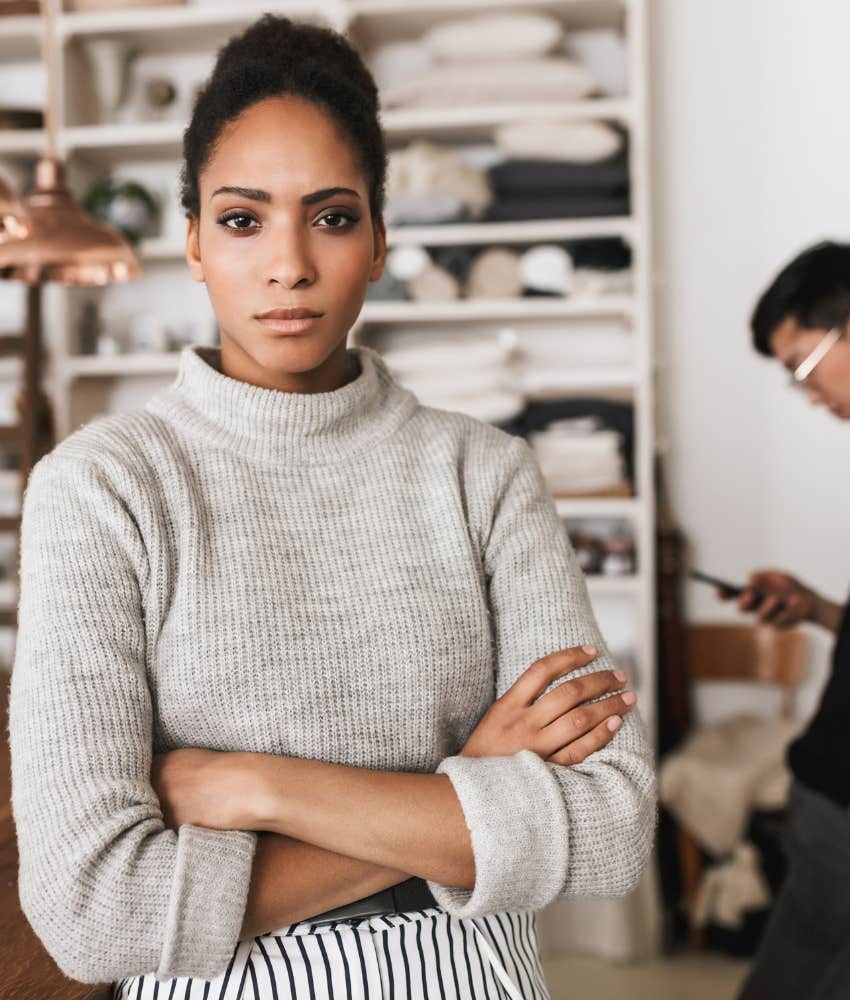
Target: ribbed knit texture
[[346, 576]]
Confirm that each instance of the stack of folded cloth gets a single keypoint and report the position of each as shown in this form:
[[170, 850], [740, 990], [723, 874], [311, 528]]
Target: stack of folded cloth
[[559, 170], [442, 274], [428, 183], [579, 456], [481, 59], [470, 373]]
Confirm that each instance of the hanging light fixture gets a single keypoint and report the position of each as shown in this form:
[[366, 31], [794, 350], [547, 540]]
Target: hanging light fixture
[[14, 219], [64, 244]]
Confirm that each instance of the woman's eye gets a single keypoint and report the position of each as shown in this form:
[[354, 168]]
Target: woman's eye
[[347, 220], [235, 216]]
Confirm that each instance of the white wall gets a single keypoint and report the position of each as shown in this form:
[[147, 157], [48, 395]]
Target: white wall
[[751, 163]]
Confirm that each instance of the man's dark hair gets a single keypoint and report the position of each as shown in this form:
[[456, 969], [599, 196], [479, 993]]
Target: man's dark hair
[[275, 56], [813, 289]]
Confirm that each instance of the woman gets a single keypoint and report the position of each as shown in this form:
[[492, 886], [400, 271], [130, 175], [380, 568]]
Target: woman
[[261, 616]]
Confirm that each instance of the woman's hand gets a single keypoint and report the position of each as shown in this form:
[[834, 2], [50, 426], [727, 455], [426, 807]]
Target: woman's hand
[[204, 788], [566, 725]]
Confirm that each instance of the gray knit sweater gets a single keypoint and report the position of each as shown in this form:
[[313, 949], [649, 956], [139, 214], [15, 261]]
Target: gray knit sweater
[[346, 576]]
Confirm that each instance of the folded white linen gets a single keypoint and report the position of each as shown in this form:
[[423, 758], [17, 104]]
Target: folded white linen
[[574, 142], [485, 81], [494, 274], [434, 284], [547, 267], [603, 52], [425, 168], [712, 782], [509, 35], [394, 63]]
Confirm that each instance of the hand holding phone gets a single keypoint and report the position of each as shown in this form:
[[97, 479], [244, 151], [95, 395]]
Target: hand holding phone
[[730, 589]]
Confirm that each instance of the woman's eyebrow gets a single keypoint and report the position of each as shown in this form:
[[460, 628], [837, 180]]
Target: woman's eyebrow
[[254, 194]]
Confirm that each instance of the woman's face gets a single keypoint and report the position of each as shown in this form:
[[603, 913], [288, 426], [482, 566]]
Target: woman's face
[[288, 237]]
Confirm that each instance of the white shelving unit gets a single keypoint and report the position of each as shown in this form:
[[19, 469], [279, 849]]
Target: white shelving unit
[[83, 386]]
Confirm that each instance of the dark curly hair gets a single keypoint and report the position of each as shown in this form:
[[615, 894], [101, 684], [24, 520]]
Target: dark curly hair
[[273, 57]]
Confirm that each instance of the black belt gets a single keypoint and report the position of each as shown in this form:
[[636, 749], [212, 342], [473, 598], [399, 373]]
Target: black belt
[[412, 894]]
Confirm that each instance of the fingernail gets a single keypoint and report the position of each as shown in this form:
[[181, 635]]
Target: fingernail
[[629, 697], [614, 723], [590, 650], [621, 677]]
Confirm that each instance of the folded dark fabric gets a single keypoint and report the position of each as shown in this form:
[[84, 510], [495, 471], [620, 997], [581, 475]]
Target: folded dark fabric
[[602, 253], [538, 177], [578, 205], [539, 413]]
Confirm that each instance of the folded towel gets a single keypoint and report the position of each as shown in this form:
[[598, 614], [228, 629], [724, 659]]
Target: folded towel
[[576, 205], [396, 63], [577, 142], [495, 274], [434, 284], [539, 177], [603, 52], [486, 81], [503, 36], [424, 169], [547, 267]]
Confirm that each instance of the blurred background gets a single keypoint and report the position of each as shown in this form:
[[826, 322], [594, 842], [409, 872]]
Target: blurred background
[[585, 200]]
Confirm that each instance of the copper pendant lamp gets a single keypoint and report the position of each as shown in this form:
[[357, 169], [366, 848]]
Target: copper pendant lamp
[[14, 219], [64, 244]]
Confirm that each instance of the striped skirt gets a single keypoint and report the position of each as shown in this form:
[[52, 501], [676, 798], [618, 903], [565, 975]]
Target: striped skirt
[[417, 955]]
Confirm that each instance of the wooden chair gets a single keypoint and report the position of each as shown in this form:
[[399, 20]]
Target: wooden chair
[[759, 654]]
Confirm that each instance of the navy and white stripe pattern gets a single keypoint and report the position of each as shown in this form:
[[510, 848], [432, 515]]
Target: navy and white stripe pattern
[[423, 954]]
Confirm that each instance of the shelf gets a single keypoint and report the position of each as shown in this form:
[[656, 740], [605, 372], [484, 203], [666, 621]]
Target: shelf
[[612, 586], [112, 365], [148, 25], [530, 231], [403, 123], [20, 38], [22, 141], [572, 380], [115, 143], [526, 308], [580, 507]]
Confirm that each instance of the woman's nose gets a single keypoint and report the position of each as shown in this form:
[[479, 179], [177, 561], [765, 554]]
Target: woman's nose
[[290, 262]]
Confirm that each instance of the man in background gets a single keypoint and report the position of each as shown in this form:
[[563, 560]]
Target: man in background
[[803, 321]]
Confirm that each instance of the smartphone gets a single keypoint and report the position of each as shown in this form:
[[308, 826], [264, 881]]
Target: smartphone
[[733, 589]]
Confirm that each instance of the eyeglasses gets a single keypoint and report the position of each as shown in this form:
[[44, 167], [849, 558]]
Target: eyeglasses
[[799, 377]]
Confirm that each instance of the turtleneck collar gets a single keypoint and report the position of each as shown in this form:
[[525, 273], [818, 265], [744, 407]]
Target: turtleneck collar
[[285, 428]]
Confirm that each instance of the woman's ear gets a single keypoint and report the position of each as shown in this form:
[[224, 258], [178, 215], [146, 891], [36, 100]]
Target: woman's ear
[[380, 254], [193, 250]]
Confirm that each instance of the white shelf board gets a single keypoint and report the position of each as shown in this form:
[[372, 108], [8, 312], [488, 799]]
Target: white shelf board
[[11, 367], [20, 38], [116, 365], [458, 7], [570, 380], [22, 141], [398, 122], [580, 507], [613, 586], [129, 139], [528, 231], [192, 17], [524, 308]]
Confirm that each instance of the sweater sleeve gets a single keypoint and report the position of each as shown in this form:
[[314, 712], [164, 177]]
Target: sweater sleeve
[[540, 830], [107, 887]]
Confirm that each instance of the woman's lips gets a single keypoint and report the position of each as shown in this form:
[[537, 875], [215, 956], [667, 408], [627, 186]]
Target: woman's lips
[[289, 325]]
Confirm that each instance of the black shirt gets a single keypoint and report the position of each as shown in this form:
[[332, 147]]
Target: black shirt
[[820, 758]]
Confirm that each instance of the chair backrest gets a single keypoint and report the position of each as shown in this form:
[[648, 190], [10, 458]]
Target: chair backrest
[[754, 653]]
